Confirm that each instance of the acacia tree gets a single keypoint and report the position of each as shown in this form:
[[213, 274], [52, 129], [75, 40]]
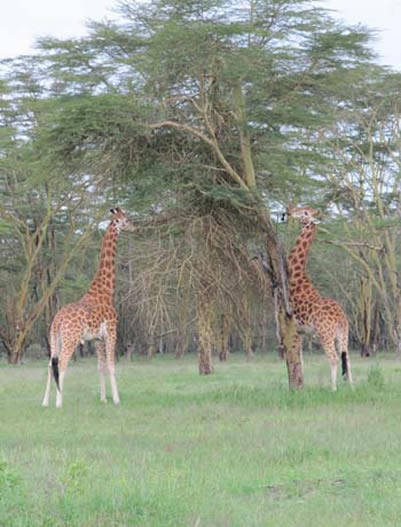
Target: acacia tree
[[365, 185], [34, 280], [224, 94], [38, 199], [210, 108]]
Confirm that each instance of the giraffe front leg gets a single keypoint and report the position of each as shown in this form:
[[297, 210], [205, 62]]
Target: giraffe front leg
[[113, 383], [102, 379], [110, 350], [102, 368], [333, 370]]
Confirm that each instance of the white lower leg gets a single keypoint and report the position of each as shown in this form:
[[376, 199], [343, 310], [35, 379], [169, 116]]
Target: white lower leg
[[333, 369], [49, 381], [349, 374], [113, 383], [59, 397], [102, 385]]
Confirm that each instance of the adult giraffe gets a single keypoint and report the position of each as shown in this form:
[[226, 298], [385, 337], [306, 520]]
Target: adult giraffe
[[91, 317], [313, 311]]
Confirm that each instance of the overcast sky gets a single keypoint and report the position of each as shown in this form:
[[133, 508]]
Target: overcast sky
[[22, 21]]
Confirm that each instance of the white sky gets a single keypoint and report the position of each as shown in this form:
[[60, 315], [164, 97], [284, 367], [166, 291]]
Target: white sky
[[22, 21]]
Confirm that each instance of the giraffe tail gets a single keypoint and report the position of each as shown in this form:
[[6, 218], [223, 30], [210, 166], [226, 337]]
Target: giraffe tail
[[344, 364], [54, 359]]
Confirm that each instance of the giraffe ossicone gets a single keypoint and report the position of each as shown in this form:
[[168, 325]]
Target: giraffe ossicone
[[322, 315], [93, 317]]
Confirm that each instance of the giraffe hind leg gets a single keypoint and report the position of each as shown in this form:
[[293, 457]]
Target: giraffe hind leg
[[62, 363], [333, 372], [46, 397], [52, 371], [330, 351], [59, 396]]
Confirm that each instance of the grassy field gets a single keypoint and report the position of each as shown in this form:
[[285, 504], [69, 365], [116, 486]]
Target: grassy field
[[231, 449]]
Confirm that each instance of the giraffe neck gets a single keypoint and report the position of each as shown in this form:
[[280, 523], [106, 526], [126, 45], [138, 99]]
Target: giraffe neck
[[103, 283], [298, 258]]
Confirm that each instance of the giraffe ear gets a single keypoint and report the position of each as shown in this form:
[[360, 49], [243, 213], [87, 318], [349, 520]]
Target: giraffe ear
[[113, 211]]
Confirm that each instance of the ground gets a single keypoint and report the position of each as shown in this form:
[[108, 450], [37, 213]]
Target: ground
[[232, 449]]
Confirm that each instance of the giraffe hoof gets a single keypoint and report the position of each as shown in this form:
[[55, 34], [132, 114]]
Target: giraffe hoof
[[103, 401]]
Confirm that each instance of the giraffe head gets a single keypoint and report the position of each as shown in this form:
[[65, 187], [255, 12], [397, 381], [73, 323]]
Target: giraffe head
[[305, 215], [120, 221]]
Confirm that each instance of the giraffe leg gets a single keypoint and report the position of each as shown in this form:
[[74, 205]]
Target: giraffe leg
[[349, 373], [63, 361], [301, 353], [59, 395], [110, 350], [333, 370], [45, 402], [102, 368], [113, 383], [329, 347]]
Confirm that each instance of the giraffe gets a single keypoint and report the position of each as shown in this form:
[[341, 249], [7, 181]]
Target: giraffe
[[91, 317], [313, 311]]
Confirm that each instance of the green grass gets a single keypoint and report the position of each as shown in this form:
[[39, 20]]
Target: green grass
[[232, 449]]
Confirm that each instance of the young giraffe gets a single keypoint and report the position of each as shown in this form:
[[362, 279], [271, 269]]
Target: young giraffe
[[323, 315], [92, 317]]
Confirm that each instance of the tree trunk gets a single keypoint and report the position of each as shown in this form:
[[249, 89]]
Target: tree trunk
[[151, 347], [130, 351], [17, 351], [247, 342], [366, 315], [181, 343], [290, 342], [204, 321], [292, 350], [15, 357], [225, 337], [15, 344], [375, 328]]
